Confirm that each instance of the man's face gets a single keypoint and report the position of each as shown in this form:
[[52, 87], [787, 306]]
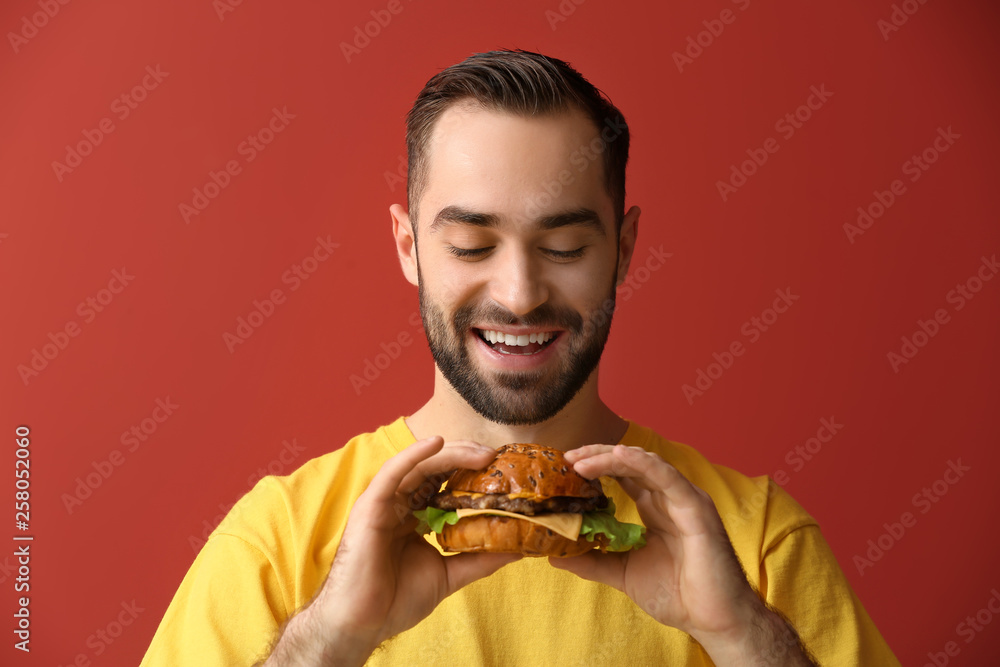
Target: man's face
[[517, 259]]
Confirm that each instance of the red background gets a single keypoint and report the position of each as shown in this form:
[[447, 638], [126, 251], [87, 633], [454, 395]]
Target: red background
[[325, 176]]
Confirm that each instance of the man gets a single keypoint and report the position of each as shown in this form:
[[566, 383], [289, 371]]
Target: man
[[516, 236]]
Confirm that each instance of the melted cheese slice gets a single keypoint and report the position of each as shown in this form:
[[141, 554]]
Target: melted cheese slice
[[568, 524]]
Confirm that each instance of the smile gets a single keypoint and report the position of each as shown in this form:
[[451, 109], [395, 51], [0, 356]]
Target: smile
[[517, 344]]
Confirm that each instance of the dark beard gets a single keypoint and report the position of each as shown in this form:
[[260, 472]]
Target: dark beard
[[525, 397]]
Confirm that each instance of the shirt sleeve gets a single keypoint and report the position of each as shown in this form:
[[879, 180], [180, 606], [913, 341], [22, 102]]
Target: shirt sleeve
[[814, 595], [225, 611]]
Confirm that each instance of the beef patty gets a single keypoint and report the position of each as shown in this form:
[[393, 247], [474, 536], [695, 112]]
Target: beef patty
[[499, 501]]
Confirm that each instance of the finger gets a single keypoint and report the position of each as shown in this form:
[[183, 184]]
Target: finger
[[633, 489], [463, 569], [646, 469], [428, 475], [605, 568], [600, 460], [656, 515], [672, 499], [589, 451], [653, 517], [580, 453], [386, 481]]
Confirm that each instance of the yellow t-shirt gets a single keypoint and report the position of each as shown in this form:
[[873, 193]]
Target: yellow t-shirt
[[273, 551]]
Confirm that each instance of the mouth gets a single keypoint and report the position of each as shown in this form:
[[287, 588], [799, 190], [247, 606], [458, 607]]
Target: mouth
[[523, 344]]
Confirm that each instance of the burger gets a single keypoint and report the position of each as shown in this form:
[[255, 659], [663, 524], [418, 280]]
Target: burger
[[529, 500]]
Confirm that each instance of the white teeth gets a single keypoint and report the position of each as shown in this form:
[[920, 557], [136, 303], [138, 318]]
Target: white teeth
[[516, 340]]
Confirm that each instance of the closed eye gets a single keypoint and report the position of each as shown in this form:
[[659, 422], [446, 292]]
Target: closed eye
[[472, 253], [468, 252], [567, 254]]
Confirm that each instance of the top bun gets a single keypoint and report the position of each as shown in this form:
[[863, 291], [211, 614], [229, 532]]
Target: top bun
[[529, 470]]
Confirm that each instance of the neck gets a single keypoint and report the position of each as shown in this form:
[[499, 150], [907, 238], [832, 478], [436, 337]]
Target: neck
[[585, 420]]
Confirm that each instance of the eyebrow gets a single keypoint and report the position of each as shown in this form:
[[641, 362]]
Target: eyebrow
[[457, 215]]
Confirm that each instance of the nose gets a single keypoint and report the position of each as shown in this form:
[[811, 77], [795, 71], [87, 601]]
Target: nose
[[518, 284]]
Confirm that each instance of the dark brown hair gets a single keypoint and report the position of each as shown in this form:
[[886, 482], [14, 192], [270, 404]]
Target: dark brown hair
[[523, 83]]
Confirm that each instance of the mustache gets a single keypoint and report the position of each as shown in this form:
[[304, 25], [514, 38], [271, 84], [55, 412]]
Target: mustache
[[544, 316]]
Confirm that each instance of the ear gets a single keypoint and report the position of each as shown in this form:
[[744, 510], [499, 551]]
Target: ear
[[406, 248], [626, 242]]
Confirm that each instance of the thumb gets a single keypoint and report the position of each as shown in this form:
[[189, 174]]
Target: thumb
[[604, 568]]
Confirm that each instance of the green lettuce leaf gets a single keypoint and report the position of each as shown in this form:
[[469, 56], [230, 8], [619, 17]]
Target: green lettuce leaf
[[621, 536], [433, 519]]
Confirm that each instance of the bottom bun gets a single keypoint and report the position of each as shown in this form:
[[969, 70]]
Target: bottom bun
[[502, 534]]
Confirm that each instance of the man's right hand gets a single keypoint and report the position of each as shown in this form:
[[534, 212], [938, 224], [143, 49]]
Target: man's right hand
[[385, 577]]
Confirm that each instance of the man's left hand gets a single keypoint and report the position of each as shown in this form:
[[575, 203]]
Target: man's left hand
[[688, 575]]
